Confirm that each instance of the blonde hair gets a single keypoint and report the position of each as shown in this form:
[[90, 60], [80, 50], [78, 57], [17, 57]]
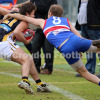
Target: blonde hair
[[56, 10]]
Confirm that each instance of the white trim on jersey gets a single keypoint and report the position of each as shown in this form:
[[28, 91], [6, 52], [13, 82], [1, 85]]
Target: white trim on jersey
[[56, 26]]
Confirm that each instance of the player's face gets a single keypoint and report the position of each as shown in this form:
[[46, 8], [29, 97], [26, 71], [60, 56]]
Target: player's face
[[48, 14], [31, 14]]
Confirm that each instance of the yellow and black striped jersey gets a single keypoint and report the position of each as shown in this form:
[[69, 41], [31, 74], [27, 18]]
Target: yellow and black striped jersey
[[7, 27]]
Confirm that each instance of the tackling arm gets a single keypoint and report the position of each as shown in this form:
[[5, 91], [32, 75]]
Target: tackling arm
[[3, 11], [34, 21]]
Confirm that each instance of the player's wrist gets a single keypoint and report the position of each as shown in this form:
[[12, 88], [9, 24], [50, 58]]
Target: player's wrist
[[17, 6]]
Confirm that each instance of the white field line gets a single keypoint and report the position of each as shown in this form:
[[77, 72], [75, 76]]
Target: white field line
[[72, 72], [10, 62], [19, 64], [52, 87]]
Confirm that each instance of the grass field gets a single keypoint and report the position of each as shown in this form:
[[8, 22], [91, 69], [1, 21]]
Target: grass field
[[63, 83]]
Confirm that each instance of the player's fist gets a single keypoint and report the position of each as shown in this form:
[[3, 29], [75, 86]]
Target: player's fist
[[28, 34]]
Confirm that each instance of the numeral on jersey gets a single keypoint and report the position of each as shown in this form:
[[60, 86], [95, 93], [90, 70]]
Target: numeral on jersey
[[10, 23], [56, 20]]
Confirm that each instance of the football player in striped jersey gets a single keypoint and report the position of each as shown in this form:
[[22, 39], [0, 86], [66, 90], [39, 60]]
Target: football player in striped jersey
[[9, 50]]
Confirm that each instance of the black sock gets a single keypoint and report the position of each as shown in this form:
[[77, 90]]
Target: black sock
[[25, 79], [99, 84], [38, 82]]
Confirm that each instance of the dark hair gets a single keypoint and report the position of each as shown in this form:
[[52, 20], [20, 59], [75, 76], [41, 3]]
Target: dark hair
[[27, 7], [56, 10]]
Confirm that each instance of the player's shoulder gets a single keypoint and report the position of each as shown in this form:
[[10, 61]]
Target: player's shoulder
[[23, 24]]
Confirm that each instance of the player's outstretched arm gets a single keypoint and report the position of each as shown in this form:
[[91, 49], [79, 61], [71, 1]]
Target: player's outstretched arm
[[34, 21], [3, 11]]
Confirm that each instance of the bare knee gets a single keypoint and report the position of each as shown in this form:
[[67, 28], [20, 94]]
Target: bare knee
[[92, 49], [26, 59], [21, 57], [82, 71]]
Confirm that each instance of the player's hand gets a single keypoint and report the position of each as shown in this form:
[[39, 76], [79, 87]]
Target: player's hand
[[29, 40], [14, 6], [6, 16], [14, 9]]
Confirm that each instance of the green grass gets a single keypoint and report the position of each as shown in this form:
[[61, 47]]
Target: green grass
[[63, 77]]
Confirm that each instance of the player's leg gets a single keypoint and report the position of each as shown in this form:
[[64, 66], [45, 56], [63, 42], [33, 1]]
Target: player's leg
[[93, 49], [33, 71], [22, 58], [25, 60], [90, 77], [41, 87], [79, 67], [28, 67], [11, 51], [91, 57]]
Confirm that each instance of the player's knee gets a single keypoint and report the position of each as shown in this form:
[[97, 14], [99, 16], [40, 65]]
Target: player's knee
[[27, 59], [83, 73], [30, 60], [92, 48]]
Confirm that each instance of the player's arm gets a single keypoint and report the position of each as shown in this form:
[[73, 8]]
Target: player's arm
[[3, 11], [74, 30], [34, 21], [18, 32]]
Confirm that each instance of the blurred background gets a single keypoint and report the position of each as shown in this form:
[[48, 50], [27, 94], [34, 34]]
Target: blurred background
[[70, 8]]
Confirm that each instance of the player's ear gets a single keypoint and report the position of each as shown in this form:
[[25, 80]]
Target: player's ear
[[27, 14], [50, 14]]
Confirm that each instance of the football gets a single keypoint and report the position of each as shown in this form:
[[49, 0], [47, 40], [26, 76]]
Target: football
[[28, 33]]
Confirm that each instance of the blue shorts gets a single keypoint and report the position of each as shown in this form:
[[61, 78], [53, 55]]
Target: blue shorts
[[73, 46]]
